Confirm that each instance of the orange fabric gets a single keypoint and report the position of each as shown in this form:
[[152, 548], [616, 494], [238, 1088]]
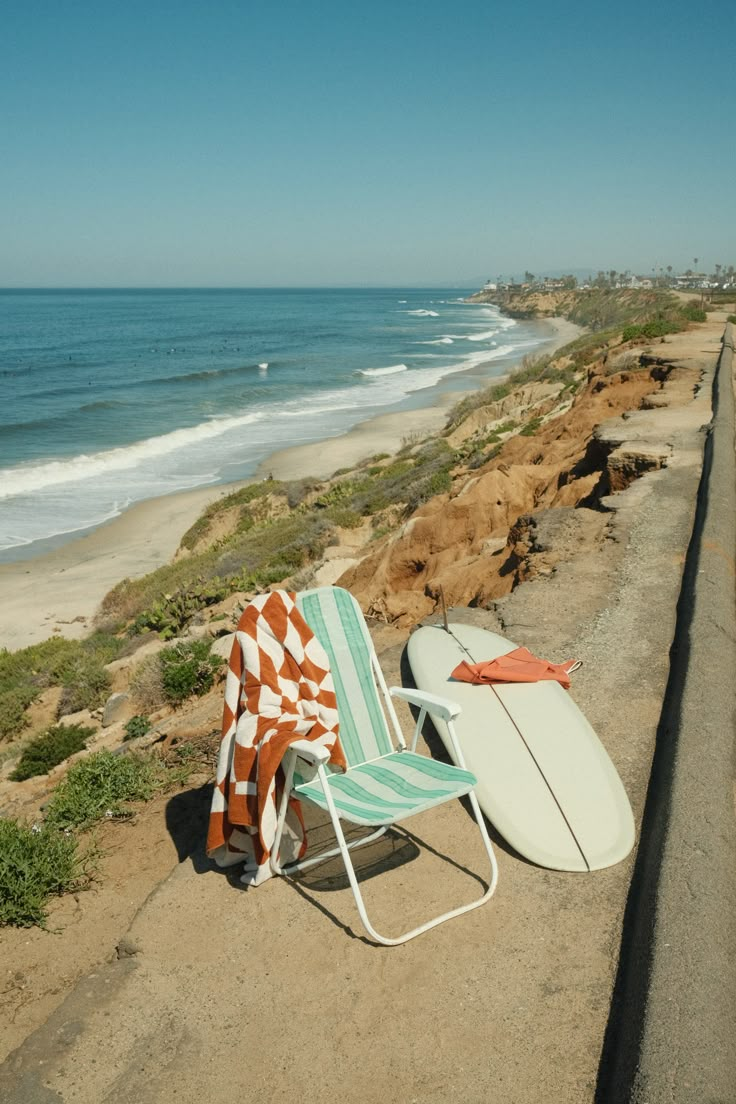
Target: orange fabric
[[517, 666], [278, 689]]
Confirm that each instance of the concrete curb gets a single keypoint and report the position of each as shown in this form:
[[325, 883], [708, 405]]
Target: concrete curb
[[672, 1031]]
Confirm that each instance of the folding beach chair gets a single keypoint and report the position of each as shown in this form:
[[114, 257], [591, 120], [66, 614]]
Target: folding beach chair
[[383, 785]]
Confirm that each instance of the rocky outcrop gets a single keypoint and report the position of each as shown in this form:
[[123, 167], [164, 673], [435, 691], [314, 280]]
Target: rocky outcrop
[[478, 541], [533, 398]]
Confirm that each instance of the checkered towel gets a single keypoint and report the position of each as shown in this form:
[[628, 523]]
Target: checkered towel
[[279, 689]]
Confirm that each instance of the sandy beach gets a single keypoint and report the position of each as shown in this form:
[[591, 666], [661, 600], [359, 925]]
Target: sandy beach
[[58, 593]]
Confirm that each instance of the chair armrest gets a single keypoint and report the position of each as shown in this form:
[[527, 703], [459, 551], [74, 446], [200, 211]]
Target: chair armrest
[[311, 753], [436, 706]]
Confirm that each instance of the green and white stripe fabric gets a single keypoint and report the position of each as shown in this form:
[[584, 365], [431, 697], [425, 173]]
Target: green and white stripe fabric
[[337, 621], [390, 788]]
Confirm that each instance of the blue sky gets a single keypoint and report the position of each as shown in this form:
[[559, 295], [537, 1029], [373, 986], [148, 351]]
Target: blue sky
[[239, 143]]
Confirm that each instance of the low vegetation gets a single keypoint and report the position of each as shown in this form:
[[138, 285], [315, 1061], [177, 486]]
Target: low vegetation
[[36, 862], [183, 670], [50, 748], [609, 308], [188, 670], [534, 369], [39, 861], [102, 785], [272, 547], [136, 727], [75, 665]]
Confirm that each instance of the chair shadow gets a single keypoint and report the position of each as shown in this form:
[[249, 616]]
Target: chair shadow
[[396, 848], [187, 815]]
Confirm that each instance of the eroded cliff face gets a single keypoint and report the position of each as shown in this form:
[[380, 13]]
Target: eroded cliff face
[[482, 538]]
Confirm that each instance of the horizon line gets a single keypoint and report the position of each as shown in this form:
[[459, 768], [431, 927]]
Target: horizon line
[[230, 287]]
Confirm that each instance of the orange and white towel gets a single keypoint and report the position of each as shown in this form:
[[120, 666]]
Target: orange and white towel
[[278, 689], [520, 665]]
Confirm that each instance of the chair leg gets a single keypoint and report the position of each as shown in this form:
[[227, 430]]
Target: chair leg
[[350, 870], [302, 864], [274, 863]]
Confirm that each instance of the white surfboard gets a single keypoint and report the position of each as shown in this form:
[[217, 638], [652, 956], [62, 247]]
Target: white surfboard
[[545, 781]]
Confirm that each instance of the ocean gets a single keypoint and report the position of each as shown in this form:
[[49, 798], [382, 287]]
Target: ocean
[[113, 396]]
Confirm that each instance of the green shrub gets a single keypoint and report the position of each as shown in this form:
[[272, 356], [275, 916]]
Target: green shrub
[[188, 669], [102, 785], [337, 494], [505, 427], [240, 498], [658, 327], [136, 726], [173, 612], [605, 308], [130, 597], [345, 517], [276, 549], [49, 749], [478, 458], [731, 318], [298, 490], [75, 664], [146, 684], [86, 685], [693, 312], [530, 428], [13, 705], [34, 864], [438, 482]]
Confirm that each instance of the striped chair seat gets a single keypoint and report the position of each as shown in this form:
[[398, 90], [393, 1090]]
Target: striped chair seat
[[381, 785], [391, 788]]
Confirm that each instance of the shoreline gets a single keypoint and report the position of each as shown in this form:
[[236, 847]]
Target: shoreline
[[58, 592]]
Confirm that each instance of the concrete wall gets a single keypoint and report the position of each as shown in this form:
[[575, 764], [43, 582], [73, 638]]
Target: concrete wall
[[672, 1032]]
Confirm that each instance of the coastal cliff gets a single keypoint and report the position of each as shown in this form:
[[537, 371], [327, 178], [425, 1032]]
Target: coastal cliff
[[476, 541], [528, 508]]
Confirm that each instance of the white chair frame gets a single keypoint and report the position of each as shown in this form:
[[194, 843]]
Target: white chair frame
[[303, 749]]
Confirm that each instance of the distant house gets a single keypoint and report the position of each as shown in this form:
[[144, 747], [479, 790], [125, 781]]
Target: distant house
[[490, 286]]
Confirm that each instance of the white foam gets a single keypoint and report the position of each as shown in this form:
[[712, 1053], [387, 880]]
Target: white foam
[[486, 335], [423, 313], [45, 498], [391, 370], [39, 475], [447, 340], [494, 354]]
